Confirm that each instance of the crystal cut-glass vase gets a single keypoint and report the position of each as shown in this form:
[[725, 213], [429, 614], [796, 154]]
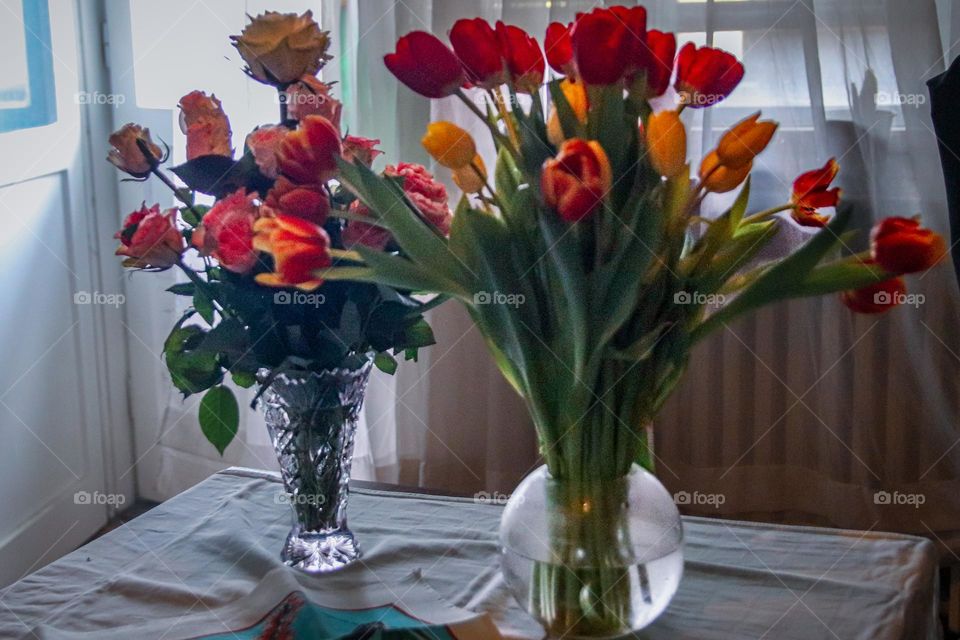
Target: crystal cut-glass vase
[[312, 420]]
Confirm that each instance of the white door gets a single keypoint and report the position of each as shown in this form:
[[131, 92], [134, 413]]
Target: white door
[[60, 358]]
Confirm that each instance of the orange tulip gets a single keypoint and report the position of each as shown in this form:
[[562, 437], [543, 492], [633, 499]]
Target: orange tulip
[[810, 192], [309, 154], [875, 298], [576, 96], [745, 140], [719, 178], [901, 245], [667, 143], [299, 249], [577, 179]]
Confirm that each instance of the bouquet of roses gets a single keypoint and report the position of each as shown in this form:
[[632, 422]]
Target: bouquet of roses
[[254, 258], [585, 262]]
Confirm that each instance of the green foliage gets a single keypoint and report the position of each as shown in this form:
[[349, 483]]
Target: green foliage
[[219, 417]]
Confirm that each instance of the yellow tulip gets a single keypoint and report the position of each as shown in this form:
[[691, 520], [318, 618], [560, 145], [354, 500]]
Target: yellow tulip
[[576, 95], [720, 178], [667, 143], [449, 145], [744, 141], [472, 177]]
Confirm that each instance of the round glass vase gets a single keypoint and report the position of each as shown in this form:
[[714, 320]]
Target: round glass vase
[[312, 421], [596, 558]]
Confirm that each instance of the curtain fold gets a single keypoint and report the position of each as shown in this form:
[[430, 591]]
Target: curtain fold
[[802, 412]]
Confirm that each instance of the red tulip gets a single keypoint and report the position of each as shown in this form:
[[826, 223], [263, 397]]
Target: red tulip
[[476, 44], [559, 48], [601, 47], [426, 65], [299, 249], [875, 298], [901, 245], [811, 192], [309, 154], [309, 202], [576, 181], [521, 51], [634, 20], [705, 76], [662, 50]]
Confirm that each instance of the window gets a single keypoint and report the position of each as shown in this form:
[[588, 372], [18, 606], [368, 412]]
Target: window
[[26, 86]]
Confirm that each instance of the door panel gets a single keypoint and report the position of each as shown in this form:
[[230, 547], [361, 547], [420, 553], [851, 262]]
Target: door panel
[[55, 407]]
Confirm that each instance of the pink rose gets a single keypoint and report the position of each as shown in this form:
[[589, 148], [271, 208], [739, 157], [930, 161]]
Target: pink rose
[[150, 239], [226, 232], [263, 143], [369, 235], [309, 96], [206, 126], [426, 194], [362, 149]]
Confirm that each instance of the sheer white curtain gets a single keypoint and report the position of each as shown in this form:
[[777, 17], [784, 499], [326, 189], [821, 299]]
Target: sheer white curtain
[[802, 412]]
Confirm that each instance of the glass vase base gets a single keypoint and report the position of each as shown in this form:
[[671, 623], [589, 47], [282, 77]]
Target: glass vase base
[[320, 552]]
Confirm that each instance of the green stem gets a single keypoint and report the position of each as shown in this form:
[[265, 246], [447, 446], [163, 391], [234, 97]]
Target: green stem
[[762, 215]]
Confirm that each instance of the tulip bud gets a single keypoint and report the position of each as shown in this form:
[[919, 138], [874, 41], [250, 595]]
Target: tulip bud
[[745, 140], [426, 65], [449, 145], [719, 178], [667, 143], [576, 181], [901, 245], [471, 178], [811, 192], [299, 248]]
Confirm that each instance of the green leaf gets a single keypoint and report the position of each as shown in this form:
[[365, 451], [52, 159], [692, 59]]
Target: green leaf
[[569, 124], [182, 289], [243, 379], [385, 362], [220, 176], [506, 176], [219, 417], [203, 305], [842, 275], [192, 368]]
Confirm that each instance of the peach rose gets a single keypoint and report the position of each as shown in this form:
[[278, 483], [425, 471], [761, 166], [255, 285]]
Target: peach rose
[[149, 239], [362, 149], [126, 154], [206, 126], [311, 97], [226, 232], [264, 142], [280, 48], [309, 202]]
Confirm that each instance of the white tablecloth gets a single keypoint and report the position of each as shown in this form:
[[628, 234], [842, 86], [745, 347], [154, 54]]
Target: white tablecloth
[[212, 544]]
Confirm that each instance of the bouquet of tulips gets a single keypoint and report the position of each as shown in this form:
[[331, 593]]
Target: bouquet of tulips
[[253, 258], [583, 258]]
